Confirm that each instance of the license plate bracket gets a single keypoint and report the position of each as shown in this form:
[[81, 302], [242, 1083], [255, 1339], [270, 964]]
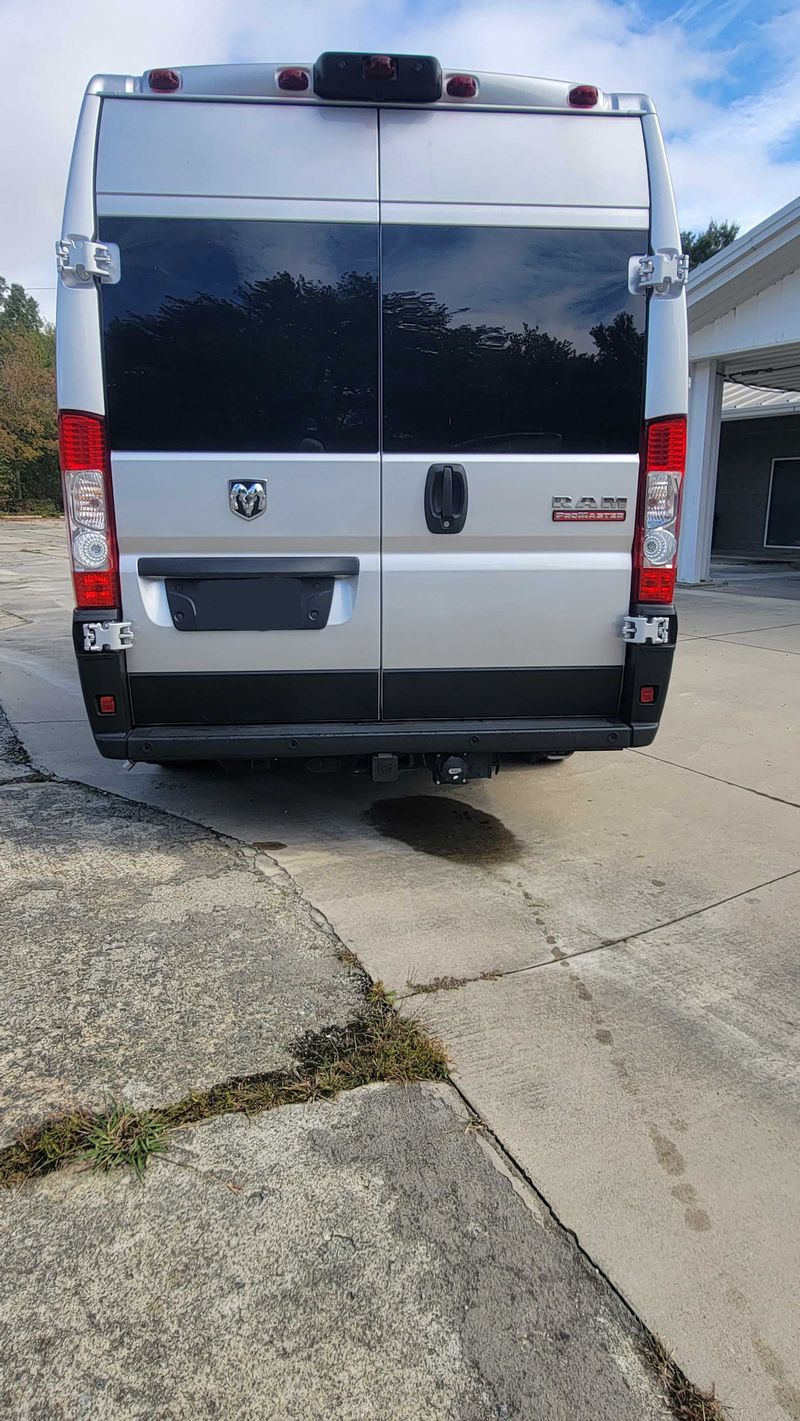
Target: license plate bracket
[[250, 604]]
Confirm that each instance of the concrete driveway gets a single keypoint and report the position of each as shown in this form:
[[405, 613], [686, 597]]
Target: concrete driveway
[[627, 928]]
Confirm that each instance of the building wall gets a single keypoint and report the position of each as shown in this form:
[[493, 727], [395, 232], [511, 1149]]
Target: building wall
[[746, 451]]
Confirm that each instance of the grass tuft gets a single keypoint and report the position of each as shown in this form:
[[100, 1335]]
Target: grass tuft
[[124, 1137], [378, 1045], [686, 1401], [104, 1140]]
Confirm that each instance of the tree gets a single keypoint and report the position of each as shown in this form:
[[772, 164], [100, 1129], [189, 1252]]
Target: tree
[[18, 310], [699, 246], [28, 435]]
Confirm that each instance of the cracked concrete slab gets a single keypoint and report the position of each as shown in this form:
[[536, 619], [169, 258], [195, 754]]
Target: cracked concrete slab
[[707, 613], [144, 956], [14, 762], [653, 1090], [361, 1260], [733, 713]]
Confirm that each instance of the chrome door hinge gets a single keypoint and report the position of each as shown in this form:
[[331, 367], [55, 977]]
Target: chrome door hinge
[[80, 260], [107, 636], [644, 629], [665, 273]]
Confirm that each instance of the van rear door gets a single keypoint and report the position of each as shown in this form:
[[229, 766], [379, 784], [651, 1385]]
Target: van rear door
[[513, 374], [241, 359]]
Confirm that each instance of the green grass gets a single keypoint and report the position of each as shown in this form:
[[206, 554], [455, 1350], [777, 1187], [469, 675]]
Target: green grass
[[124, 1137], [118, 1136], [377, 1045]]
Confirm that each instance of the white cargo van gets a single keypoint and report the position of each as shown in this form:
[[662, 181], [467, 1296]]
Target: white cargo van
[[372, 383]]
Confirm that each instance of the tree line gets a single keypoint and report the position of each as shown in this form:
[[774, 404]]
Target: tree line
[[29, 475]]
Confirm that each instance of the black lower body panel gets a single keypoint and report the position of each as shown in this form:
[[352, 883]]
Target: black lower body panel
[[281, 697], [253, 697], [499, 692]]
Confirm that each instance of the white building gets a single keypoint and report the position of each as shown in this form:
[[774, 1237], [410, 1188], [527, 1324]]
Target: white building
[[744, 327]]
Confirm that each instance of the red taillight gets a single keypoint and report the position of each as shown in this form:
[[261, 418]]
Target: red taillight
[[89, 510], [666, 444], [583, 96], [81, 442], [164, 81], [655, 550], [107, 705], [462, 86], [380, 66], [293, 79]]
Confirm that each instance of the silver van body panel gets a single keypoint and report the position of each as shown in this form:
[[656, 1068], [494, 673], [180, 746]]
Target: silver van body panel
[[580, 160], [238, 150], [79, 347], [667, 387], [178, 504], [486, 214], [256, 209], [514, 588]]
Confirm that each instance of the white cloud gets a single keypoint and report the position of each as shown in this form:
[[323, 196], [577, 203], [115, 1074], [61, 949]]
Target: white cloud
[[726, 158]]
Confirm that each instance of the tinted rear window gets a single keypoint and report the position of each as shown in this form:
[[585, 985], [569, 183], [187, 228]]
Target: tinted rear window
[[511, 340], [242, 335]]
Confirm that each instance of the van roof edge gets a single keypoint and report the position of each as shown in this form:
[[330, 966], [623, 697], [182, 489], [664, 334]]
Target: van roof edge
[[259, 83]]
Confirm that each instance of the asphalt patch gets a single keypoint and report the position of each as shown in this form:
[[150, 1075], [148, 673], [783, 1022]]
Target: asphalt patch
[[445, 828]]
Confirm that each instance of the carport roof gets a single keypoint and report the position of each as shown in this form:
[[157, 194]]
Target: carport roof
[[754, 261], [745, 402]]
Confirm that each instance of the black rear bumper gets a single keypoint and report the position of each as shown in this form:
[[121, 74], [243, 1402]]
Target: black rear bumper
[[157, 728], [256, 742]]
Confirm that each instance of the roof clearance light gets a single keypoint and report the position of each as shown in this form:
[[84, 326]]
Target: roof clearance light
[[164, 81], [296, 79], [462, 86], [380, 66], [583, 96]]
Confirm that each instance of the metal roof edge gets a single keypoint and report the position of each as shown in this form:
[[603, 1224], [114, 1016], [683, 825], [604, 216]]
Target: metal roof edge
[[776, 231]]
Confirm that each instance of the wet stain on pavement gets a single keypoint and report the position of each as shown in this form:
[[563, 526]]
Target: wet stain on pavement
[[695, 1218], [446, 828], [786, 1395], [267, 844], [667, 1153], [604, 1036]]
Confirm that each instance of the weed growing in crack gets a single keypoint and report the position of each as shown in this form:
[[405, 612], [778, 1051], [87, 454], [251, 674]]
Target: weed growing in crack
[[448, 984], [379, 1045], [124, 1137], [103, 1140], [686, 1401]]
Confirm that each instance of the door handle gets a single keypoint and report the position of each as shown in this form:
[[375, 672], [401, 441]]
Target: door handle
[[446, 498]]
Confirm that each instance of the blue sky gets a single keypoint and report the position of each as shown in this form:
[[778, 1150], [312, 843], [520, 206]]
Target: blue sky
[[744, 34], [723, 74]]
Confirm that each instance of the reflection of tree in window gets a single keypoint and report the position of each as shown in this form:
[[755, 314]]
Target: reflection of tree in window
[[282, 364], [264, 336], [514, 339], [462, 387]]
